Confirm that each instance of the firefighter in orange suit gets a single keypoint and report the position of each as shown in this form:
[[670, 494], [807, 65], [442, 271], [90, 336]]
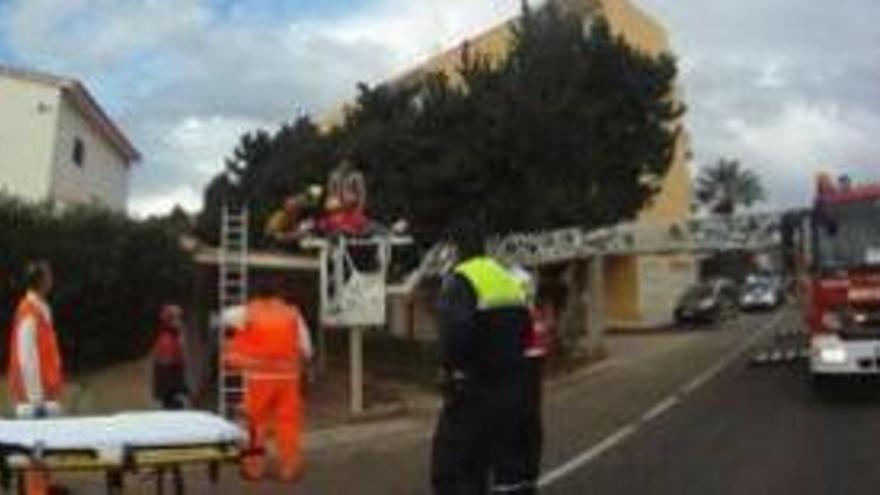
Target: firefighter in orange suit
[[270, 347], [34, 373]]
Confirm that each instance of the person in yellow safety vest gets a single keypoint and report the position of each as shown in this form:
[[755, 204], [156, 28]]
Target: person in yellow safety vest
[[478, 445], [35, 375], [270, 347]]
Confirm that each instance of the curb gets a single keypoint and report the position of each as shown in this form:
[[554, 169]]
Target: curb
[[362, 433]]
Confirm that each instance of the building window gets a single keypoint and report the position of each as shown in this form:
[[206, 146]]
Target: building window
[[79, 152]]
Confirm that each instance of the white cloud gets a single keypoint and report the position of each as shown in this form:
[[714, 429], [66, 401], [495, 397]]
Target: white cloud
[[160, 203], [188, 81], [802, 133], [783, 86], [186, 154], [802, 140], [786, 86], [98, 34], [771, 76], [200, 144]]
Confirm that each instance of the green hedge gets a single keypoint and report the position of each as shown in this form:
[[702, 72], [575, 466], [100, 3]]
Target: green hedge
[[111, 276]]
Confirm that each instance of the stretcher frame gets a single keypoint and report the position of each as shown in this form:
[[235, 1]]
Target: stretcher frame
[[131, 454], [15, 460]]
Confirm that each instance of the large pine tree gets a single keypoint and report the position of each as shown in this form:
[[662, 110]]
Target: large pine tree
[[574, 127]]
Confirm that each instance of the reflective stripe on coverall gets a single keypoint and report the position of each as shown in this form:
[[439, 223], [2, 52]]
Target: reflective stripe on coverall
[[34, 373]]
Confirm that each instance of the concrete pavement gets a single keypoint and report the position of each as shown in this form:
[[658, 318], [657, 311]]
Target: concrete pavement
[[582, 412], [579, 413], [755, 431]]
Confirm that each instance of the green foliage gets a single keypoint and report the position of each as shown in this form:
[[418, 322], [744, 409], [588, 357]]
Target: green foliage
[[263, 170], [574, 127], [725, 186], [112, 274]]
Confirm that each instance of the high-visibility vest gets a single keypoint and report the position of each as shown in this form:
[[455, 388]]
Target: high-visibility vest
[[51, 375], [502, 316], [494, 285], [268, 344]]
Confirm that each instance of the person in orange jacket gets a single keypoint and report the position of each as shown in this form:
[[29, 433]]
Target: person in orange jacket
[[270, 346], [35, 375]]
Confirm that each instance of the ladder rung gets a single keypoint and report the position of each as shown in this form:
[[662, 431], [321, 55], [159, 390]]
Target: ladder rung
[[233, 282], [233, 288], [233, 297], [234, 261], [233, 291], [231, 301], [234, 271]]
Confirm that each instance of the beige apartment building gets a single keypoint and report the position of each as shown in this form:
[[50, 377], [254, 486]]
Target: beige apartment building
[[640, 290]]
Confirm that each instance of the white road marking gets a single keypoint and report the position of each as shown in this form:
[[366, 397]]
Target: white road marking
[[709, 374], [594, 452], [660, 408], [587, 456]]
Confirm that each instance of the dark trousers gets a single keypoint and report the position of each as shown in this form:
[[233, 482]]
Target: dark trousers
[[533, 428], [172, 402], [169, 385], [478, 444]]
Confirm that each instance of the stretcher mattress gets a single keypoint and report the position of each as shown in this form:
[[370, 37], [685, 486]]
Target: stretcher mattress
[[110, 438]]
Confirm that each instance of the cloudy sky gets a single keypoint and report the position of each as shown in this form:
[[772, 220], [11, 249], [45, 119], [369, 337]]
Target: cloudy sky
[[787, 86]]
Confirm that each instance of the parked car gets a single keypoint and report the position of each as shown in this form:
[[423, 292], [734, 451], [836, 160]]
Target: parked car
[[707, 302], [762, 293]]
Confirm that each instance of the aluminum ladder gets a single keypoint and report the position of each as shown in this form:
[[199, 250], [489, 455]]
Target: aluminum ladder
[[233, 292]]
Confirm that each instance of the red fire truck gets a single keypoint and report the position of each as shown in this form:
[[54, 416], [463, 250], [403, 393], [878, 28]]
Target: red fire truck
[[838, 270]]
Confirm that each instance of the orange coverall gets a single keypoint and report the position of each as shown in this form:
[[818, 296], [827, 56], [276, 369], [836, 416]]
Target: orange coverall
[[35, 375], [269, 348]]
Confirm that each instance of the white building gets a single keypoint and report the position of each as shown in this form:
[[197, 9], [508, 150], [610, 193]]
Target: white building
[[56, 143]]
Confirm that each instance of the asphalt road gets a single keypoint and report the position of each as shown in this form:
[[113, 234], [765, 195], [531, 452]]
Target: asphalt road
[[677, 413], [642, 374], [753, 430]]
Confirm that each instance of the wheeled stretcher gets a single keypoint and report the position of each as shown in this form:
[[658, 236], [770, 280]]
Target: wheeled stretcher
[[118, 445]]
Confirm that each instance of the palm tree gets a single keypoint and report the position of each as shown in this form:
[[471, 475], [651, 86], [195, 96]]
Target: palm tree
[[725, 186]]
